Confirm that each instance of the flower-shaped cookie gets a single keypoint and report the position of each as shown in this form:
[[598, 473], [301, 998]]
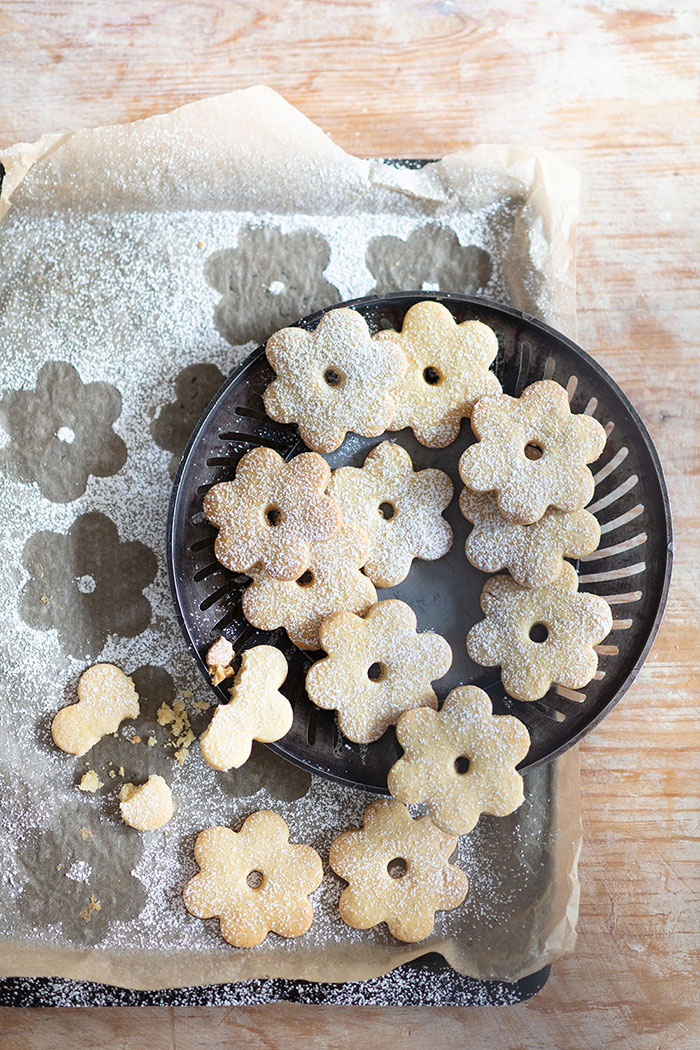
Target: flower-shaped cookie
[[399, 509], [377, 666], [333, 380], [146, 806], [533, 554], [272, 512], [448, 371], [106, 696], [568, 623], [398, 872], [332, 583], [256, 711], [254, 880], [438, 745], [532, 451]]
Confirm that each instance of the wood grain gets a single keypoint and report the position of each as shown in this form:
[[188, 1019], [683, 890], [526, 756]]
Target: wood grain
[[616, 88]]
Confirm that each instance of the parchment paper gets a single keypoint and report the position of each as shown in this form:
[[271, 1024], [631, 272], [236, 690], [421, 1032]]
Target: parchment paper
[[138, 266]]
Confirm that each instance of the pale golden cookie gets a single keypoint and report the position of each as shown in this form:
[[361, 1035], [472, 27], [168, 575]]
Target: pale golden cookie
[[573, 623], [425, 881], [146, 806], [333, 380], [399, 509], [448, 371], [256, 711], [254, 880], [463, 729], [218, 659], [537, 424], [532, 554], [106, 696], [332, 583], [269, 516], [377, 666]]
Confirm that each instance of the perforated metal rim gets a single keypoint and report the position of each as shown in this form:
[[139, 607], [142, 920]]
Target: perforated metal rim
[[528, 349]]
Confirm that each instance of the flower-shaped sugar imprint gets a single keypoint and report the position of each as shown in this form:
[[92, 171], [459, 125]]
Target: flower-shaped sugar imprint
[[87, 584], [61, 432], [400, 510], [333, 582], [333, 380], [431, 258], [398, 872], [532, 452], [460, 760], [540, 635], [195, 386], [272, 512], [254, 880], [256, 711], [377, 666], [106, 696], [448, 371], [533, 554]]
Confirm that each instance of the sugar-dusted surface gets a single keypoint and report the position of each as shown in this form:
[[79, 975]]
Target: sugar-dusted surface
[[148, 806]]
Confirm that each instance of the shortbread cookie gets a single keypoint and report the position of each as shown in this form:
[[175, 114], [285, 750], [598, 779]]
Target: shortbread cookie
[[460, 760], [377, 666], [448, 371], [532, 452], [146, 806], [106, 696], [570, 624], [333, 380], [399, 509], [398, 872], [254, 880], [272, 512], [332, 583], [533, 554], [256, 711], [219, 657]]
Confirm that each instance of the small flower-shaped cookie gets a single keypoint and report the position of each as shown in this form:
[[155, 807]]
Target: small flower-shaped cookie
[[272, 512], [448, 371], [106, 696], [254, 880], [377, 666], [333, 380], [568, 623], [460, 760], [532, 451], [333, 582], [398, 872], [256, 711], [400, 510], [533, 554]]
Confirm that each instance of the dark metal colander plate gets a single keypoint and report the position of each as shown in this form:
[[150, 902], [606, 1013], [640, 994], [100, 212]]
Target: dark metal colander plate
[[631, 569]]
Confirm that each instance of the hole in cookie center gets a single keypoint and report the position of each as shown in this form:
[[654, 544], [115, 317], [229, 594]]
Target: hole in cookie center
[[462, 764], [539, 632], [397, 868], [376, 672], [254, 879], [533, 450], [274, 516], [387, 510], [332, 377], [431, 375], [306, 579]]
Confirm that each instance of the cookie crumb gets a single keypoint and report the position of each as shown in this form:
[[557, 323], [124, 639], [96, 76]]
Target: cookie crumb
[[93, 905], [121, 771], [85, 833], [90, 781], [201, 705], [136, 739], [151, 741]]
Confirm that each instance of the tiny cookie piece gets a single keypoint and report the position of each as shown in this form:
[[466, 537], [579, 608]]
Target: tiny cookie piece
[[448, 371], [532, 452], [377, 666], [146, 806], [398, 872], [570, 624], [218, 658], [106, 696], [533, 554], [333, 380], [438, 745], [256, 710], [254, 880], [272, 512], [400, 510], [333, 582]]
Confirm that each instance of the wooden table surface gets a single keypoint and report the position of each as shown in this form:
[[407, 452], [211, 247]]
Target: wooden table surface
[[615, 87]]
